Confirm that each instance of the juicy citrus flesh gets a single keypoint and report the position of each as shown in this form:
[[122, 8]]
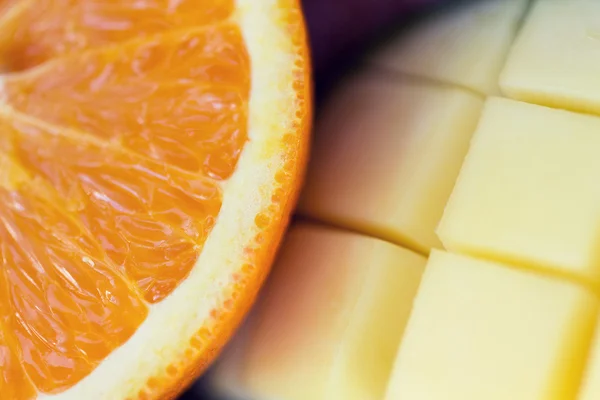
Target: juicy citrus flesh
[[121, 122], [49, 28]]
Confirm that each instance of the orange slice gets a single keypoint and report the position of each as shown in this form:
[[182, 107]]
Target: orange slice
[[151, 152]]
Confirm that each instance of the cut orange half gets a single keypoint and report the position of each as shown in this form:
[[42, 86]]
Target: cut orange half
[[151, 152]]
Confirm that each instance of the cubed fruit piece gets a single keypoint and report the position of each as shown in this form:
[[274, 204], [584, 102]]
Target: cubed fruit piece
[[556, 58], [590, 388], [224, 378], [529, 191], [465, 45], [480, 330], [386, 155], [330, 319]]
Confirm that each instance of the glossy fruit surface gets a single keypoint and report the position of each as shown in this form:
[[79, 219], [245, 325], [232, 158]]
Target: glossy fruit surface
[[151, 152]]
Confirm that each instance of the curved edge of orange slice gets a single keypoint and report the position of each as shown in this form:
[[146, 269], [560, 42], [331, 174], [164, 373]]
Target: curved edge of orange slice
[[186, 331]]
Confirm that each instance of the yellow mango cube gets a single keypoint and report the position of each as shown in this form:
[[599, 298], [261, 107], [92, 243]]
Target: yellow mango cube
[[465, 45], [225, 376], [590, 388], [386, 156], [330, 319], [480, 330], [529, 191], [556, 58]]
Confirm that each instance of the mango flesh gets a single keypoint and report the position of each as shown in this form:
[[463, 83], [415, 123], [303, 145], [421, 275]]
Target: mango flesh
[[590, 387], [465, 46], [331, 333], [502, 193], [398, 146], [528, 191], [556, 59], [482, 330]]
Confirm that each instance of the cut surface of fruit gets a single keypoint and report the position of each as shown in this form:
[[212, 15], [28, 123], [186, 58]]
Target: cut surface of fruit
[[527, 192], [590, 387], [151, 219], [330, 318], [14, 383], [480, 330], [556, 58], [37, 30], [64, 313], [225, 378], [398, 149], [465, 45], [150, 156], [177, 97]]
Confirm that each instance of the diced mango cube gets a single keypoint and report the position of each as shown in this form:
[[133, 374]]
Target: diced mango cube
[[590, 388], [386, 156], [529, 191], [225, 376], [556, 58], [466, 45], [481, 330], [330, 319]]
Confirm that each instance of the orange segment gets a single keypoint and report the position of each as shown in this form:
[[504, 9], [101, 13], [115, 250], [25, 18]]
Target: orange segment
[[14, 384], [49, 28], [151, 220], [178, 98], [6, 4], [67, 313]]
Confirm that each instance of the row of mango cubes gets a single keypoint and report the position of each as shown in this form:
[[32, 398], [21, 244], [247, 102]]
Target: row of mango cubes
[[449, 245]]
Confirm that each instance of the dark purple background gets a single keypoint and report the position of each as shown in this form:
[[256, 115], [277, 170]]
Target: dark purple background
[[340, 28], [339, 31]]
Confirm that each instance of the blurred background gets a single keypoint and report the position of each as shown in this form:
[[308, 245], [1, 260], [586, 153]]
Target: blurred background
[[342, 30]]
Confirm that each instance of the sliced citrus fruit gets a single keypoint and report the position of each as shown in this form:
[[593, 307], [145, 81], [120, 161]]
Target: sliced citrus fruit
[[150, 156]]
